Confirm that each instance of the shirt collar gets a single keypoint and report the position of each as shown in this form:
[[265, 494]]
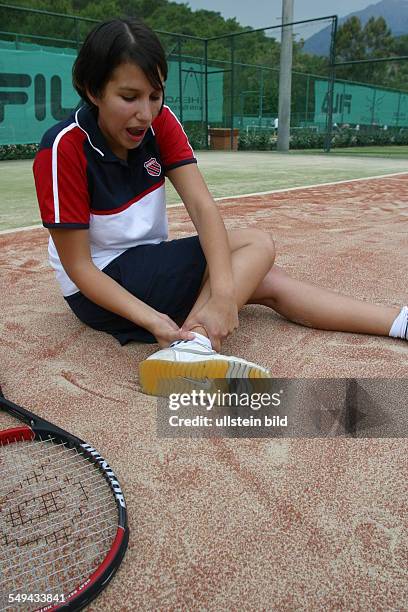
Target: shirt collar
[[87, 120]]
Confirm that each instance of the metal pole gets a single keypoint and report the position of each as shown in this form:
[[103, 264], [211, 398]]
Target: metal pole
[[180, 80], [398, 109], [373, 108], [330, 93], [307, 99], [206, 91], [285, 77], [232, 94], [261, 94]]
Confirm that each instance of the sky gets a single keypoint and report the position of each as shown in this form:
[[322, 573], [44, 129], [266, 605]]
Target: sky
[[269, 12]]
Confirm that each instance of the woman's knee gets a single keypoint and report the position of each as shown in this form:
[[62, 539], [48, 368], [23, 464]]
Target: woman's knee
[[269, 244], [263, 240], [274, 285], [252, 237]]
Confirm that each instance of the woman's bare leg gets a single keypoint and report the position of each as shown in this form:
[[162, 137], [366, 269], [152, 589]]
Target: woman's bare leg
[[313, 306], [252, 256], [298, 301]]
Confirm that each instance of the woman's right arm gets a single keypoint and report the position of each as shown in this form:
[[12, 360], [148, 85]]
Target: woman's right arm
[[73, 249]]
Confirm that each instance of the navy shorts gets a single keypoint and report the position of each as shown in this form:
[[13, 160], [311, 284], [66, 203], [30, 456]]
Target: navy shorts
[[166, 276]]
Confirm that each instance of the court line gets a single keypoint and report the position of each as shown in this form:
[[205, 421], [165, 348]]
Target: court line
[[259, 193], [20, 229], [247, 195]]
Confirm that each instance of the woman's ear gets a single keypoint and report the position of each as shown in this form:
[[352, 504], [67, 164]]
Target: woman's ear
[[92, 98]]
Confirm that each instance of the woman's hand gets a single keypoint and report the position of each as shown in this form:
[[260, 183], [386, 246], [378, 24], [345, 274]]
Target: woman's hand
[[219, 317], [166, 331]]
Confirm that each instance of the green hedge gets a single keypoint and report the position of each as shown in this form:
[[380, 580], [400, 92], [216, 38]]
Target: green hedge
[[196, 134], [20, 151], [263, 141], [308, 139], [353, 138]]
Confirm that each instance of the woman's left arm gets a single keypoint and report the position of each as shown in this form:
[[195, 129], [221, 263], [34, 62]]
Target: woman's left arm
[[219, 316]]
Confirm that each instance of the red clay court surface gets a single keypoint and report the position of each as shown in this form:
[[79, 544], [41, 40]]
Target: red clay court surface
[[224, 524]]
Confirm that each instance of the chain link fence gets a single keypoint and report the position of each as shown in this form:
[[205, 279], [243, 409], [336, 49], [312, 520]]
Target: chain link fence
[[222, 96]]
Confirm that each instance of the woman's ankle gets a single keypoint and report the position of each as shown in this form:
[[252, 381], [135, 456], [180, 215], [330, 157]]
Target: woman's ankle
[[200, 330]]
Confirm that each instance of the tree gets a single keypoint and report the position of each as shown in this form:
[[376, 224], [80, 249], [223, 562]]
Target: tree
[[356, 43], [254, 89], [377, 38], [350, 41]]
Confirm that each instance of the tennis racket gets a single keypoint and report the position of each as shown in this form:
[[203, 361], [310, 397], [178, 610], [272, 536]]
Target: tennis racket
[[63, 520]]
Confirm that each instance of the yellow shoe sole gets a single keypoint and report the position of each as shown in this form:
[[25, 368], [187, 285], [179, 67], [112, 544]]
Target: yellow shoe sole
[[159, 377]]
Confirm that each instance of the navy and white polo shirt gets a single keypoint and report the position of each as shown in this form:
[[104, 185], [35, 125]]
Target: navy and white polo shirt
[[81, 184]]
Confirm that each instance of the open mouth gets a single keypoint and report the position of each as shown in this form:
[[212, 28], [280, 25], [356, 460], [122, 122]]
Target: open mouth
[[135, 132]]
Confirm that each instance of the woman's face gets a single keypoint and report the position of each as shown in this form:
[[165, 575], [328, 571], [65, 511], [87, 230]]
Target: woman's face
[[127, 107]]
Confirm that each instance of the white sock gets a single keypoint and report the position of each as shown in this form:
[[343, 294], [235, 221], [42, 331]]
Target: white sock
[[399, 328], [203, 339]]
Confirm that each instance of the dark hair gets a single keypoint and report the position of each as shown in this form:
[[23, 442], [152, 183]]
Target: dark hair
[[112, 43]]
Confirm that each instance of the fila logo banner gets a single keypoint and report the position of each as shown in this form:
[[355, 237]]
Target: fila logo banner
[[153, 167]]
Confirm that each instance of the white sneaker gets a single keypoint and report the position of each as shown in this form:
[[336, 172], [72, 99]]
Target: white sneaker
[[188, 364]]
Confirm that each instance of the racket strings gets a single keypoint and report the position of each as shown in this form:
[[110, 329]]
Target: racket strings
[[60, 542], [68, 568], [43, 458], [100, 487], [22, 494], [67, 557], [69, 583], [27, 509], [59, 536], [66, 576], [58, 519], [38, 447]]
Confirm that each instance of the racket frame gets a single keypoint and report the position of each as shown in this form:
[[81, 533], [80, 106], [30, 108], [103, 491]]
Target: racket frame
[[42, 430]]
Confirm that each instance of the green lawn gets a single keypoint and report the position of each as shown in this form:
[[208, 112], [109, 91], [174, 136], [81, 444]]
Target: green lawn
[[397, 152], [227, 174]]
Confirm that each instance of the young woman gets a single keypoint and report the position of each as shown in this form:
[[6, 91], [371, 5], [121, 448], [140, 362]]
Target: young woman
[[100, 184]]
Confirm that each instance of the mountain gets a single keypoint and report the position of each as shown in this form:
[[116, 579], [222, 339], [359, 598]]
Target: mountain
[[395, 13]]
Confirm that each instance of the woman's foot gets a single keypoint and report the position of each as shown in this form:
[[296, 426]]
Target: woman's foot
[[193, 364]]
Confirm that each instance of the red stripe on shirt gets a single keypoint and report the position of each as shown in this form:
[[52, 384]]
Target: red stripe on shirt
[[72, 182], [171, 138], [113, 211]]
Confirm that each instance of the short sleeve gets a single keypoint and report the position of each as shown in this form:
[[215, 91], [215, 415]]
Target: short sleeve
[[175, 149], [61, 183]]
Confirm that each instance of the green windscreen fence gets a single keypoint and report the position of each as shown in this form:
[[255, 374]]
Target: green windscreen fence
[[191, 82], [355, 104], [36, 91]]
